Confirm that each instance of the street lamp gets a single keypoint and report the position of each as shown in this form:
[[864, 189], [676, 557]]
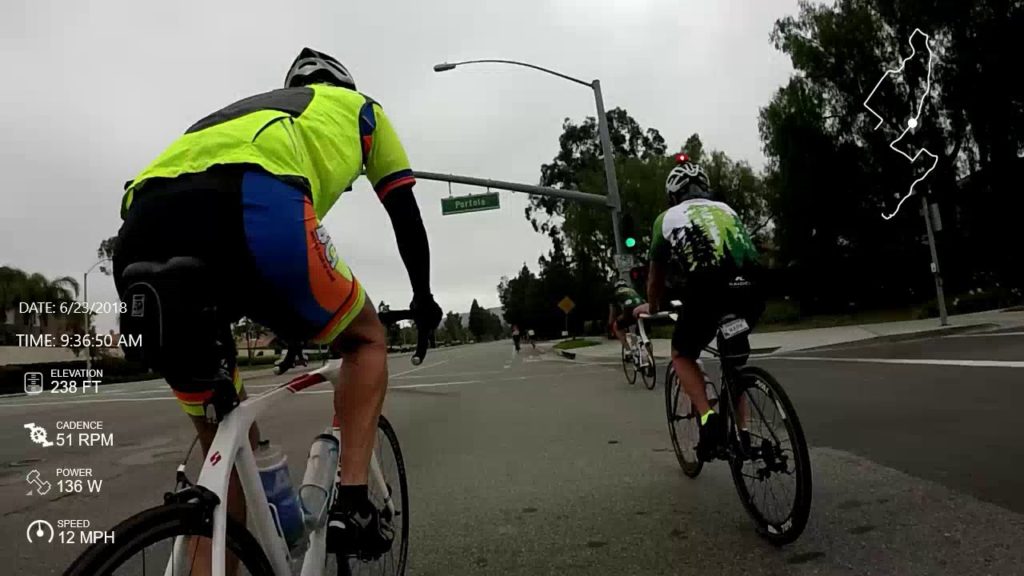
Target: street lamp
[[85, 296], [613, 201]]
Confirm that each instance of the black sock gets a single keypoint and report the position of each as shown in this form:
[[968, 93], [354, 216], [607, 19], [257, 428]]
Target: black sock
[[352, 497]]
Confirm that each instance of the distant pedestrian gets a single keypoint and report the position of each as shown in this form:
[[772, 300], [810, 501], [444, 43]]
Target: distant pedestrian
[[532, 336], [515, 336]]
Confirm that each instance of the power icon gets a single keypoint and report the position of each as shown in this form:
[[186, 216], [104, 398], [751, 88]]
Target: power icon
[[39, 530]]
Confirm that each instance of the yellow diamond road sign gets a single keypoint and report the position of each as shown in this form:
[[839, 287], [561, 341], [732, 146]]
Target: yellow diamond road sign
[[566, 304]]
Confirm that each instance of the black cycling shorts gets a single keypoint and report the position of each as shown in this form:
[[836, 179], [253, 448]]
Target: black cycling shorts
[[705, 302], [625, 320]]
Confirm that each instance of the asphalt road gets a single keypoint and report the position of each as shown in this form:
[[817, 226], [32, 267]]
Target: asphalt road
[[532, 464]]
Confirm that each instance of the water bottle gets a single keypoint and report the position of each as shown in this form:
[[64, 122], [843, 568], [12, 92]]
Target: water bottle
[[317, 481], [284, 503]]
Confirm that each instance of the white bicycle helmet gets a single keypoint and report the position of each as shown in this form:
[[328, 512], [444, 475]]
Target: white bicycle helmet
[[686, 181], [311, 67]]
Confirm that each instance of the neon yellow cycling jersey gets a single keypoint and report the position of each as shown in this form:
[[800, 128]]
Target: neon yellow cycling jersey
[[317, 137]]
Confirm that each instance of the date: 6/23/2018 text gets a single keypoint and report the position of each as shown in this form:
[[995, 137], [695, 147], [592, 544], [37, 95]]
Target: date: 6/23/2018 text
[[72, 308]]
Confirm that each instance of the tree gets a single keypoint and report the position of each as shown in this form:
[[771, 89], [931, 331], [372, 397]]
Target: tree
[[477, 321], [694, 148], [250, 331], [452, 327], [19, 286], [483, 324], [832, 173], [107, 248], [586, 230]]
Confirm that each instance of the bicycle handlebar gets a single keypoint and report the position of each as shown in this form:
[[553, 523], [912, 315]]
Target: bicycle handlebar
[[657, 316], [422, 336]]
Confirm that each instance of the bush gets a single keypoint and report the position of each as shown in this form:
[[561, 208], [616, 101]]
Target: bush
[[571, 344], [979, 301], [780, 312]]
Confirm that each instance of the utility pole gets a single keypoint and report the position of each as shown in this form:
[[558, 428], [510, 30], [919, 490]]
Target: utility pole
[[940, 297]]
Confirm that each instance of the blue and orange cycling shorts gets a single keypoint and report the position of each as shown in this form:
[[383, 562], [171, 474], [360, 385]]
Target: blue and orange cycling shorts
[[272, 260]]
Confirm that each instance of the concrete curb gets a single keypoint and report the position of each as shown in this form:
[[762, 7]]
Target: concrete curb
[[903, 337]]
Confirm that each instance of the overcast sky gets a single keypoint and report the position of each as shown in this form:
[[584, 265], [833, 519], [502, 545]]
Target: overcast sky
[[93, 90]]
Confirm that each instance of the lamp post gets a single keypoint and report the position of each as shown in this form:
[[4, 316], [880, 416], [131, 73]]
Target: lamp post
[[613, 201], [85, 296]]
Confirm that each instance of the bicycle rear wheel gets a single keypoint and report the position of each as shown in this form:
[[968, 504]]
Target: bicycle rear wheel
[[143, 545], [628, 367], [683, 422], [392, 467], [648, 371], [777, 452]]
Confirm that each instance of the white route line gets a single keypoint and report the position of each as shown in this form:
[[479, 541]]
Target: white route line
[[912, 122]]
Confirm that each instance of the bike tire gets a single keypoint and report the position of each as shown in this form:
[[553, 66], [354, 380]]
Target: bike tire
[[786, 530], [650, 374], [628, 366], [161, 523], [687, 458], [398, 562]]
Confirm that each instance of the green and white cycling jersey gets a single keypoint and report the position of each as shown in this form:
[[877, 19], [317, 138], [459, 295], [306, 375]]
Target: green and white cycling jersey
[[702, 235], [627, 298]]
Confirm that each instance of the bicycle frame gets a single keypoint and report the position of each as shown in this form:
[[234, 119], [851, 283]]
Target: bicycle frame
[[644, 339], [231, 450]]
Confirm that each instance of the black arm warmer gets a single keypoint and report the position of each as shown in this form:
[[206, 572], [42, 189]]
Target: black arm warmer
[[411, 237]]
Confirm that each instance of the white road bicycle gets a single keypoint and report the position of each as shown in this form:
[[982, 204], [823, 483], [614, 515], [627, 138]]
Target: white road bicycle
[[161, 540], [638, 354]]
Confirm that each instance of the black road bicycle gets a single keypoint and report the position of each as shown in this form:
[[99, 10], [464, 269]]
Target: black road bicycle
[[764, 443]]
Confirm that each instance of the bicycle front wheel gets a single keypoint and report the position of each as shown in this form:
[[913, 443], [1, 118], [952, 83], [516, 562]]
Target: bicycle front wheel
[[143, 545], [628, 367], [773, 473], [683, 424], [396, 491]]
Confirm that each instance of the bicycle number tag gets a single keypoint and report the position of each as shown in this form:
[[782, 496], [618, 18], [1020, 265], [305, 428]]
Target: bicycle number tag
[[734, 328]]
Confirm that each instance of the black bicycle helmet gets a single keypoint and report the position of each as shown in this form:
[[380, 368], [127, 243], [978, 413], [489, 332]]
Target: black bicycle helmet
[[687, 181], [312, 67]]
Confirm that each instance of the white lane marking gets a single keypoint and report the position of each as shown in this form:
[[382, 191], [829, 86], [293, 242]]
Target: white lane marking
[[914, 361], [418, 368], [985, 335]]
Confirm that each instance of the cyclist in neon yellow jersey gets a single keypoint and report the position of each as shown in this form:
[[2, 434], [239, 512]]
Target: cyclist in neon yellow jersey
[[700, 248], [244, 190]]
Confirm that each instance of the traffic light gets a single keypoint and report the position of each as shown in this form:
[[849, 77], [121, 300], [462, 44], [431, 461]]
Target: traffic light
[[638, 275], [628, 231]]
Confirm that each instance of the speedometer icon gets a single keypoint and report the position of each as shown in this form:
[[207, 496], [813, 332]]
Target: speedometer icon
[[39, 531]]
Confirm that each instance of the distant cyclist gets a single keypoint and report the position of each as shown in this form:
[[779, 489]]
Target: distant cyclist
[[245, 190], [700, 245], [620, 312]]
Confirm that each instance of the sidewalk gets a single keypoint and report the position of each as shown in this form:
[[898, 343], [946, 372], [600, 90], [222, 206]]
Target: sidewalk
[[791, 341]]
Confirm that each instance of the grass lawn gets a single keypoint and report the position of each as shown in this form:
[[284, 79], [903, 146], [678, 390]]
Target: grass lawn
[[823, 321], [829, 320], [570, 344]]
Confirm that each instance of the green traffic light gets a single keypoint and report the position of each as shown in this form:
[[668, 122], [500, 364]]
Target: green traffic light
[[630, 242]]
